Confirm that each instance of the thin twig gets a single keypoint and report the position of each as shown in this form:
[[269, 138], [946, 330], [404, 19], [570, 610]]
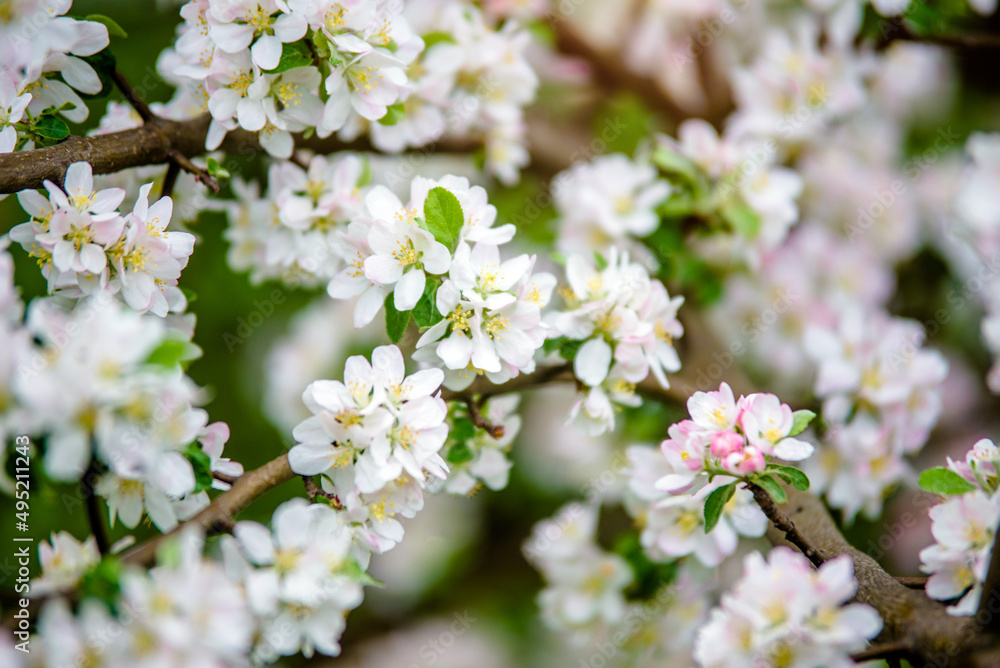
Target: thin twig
[[887, 650], [94, 515], [480, 420], [131, 96], [314, 491], [223, 477], [986, 616], [200, 174], [900, 30], [782, 523], [911, 582], [170, 179]]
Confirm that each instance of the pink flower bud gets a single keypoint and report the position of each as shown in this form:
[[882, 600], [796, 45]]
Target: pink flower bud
[[748, 460], [725, 443]]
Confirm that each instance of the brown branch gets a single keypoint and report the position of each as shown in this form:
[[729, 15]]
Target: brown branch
[[170, 179], [986, 614], [911, 582], [887, 650], [94, 514], [480, 421], [131, 96], [932, 636], [229, 479], [200, 175], [900, 30], [151, 144], [781, 522], [220, 513], [314, 491]]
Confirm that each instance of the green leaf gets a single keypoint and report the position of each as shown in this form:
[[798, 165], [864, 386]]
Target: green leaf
[[569, 348], [114, 30], [742, 219], [393, 114], [459, 453], [216, 170], [353, 570], [444, 217], [366, 172], [202, 465], [801, 418], [395, 321], [550, 345], [671, 162], [715, 503], [944, 481], [425, 313], [50, 128], [168, 354], [432, 38], [462, 429], [102, 582], [293, 54], [793, 476], [773, 488], [602, 264]]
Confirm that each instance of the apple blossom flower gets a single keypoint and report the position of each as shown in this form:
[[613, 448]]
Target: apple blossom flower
[[783, 608], [64, 561]]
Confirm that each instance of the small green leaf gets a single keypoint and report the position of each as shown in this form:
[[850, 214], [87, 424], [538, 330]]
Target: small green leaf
[[432, 38], [944, 481], [715, 503], [50, 128], [366, 172], [462, 429], [793, 476], [801, 418], [602, 264], [393, 114], [102, 582], [395, 321], [114, 30], [672, 162], [202, 465], [550, 345], [459, 453], [216, 170], [444, 217], [569, 348], [425, 313], [353, 570], [293, 54], [168, 354], [742, 219], [773, 488]]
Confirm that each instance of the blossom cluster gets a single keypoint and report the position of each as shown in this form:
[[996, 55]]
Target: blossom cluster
[[881, 393], [104, 386], [584, 584], [294, 231], [977, 212], [84, 245], [617, 325], [964, 527], [375, 438], [782, 612], [281, 67], [42, 70]]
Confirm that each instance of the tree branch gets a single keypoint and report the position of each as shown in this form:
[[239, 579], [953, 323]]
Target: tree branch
[[932, 636], [131, 96], [888, 650], [221, 512], [986, 614], [781, 522], [94, 514], [900, 30]]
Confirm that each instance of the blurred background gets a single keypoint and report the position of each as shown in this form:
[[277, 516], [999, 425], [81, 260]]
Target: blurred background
[[458, 590]]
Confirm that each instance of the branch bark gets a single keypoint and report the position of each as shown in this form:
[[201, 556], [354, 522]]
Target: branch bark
[[930, 635]]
